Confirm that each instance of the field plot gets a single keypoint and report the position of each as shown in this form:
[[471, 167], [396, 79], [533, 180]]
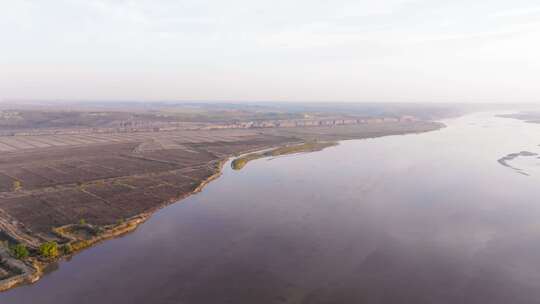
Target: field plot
[[54, 180], [6, 148], [27, 179], [177, 179], [6, 183], [341, 132]]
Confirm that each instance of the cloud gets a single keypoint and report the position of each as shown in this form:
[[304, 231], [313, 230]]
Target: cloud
[[227, 42]]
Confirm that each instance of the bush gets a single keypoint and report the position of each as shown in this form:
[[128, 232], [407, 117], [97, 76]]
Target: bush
[[239, 163], [67, 249], [19, 251], [100, 230], [17, 185], [79, 245], [82, 222], [48, 250]]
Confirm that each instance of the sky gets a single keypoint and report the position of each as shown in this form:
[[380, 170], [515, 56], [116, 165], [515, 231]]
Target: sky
[[279, 50]]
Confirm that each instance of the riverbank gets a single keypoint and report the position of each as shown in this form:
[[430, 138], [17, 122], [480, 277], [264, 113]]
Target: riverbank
[[80, 236], [30, 270], [242, 161], [72, 238]]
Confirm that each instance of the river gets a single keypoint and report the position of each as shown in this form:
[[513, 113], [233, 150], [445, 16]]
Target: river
[[421, 218]]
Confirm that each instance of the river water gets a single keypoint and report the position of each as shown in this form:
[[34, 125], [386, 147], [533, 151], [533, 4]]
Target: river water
[[424, 218]]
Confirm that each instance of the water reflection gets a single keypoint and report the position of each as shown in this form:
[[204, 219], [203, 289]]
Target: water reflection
[[428, 218]]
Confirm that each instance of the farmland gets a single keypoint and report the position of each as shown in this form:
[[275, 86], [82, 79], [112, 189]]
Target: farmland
[[49, 183], [105, 179]]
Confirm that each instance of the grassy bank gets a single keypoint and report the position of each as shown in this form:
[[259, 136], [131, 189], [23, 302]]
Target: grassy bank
[[240, 162]]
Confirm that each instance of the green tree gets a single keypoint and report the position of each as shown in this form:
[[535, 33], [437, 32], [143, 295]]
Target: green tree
[[48, 250], [19, 251]]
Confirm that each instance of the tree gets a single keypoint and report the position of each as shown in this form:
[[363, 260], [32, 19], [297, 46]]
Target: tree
[[19, 251], [48, 250]]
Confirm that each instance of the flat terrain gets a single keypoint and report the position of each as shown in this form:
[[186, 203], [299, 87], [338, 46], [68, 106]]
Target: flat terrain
[[50, 181], [89, 183], [399, 219], [104, 182]]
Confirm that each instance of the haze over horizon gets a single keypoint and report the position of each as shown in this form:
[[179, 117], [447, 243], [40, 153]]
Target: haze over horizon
[[391, 50]]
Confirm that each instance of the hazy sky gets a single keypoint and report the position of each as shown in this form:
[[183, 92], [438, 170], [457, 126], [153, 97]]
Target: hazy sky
[[298, 50]]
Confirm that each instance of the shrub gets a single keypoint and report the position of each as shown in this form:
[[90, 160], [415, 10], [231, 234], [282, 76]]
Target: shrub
[[48, 250], [238, 163], [67, 249], [19, 251], [17, 185], [79, 245], [98, 230], [82, 222]]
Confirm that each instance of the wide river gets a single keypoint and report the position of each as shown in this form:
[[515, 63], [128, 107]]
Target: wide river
[[423, 218]]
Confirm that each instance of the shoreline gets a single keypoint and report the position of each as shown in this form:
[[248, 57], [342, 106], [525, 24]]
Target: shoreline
[[33, 268], [306, 147]]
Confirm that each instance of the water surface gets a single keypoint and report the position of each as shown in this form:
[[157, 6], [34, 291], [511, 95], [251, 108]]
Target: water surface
[[427, 218]]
